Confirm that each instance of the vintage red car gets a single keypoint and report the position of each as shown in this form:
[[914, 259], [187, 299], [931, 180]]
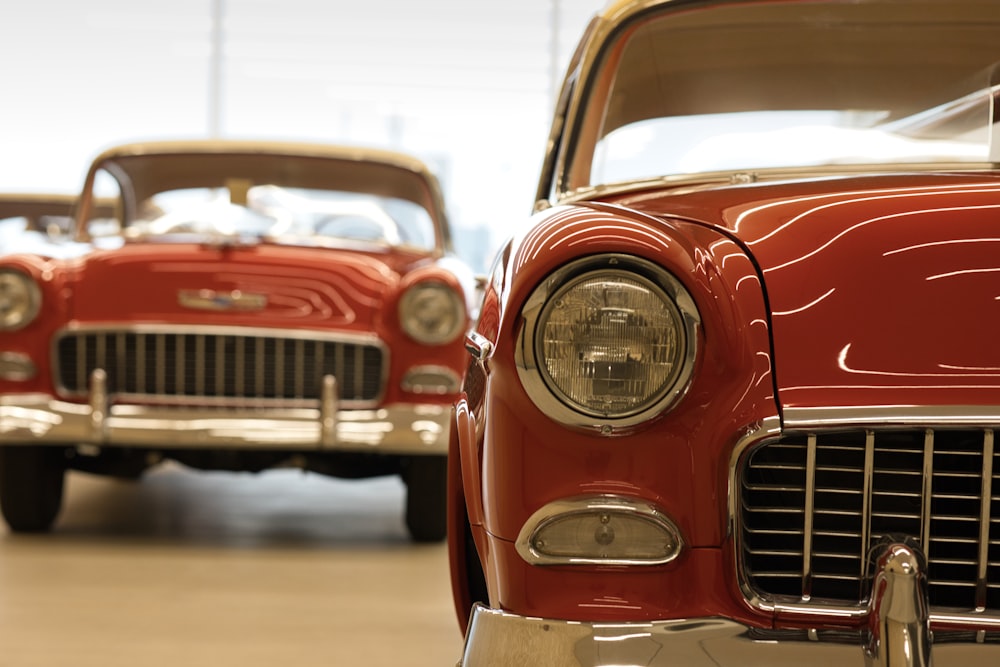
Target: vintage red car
[[735, 386], [251, 305]]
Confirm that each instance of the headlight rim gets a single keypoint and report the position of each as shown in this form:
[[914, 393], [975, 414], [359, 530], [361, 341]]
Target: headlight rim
[[405, 309], [34, 298], [533, 377]]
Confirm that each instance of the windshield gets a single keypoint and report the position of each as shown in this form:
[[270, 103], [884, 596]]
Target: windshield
[[750, 86], [296, 216]]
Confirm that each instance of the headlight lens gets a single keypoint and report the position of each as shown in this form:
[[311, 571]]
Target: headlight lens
[[20, 300], [611, 341], [432, 313]]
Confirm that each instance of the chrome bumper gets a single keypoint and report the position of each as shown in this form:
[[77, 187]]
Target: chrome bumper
[[897, 635], [39, 419]]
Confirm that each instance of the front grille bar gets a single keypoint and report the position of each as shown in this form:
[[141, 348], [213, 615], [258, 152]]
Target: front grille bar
[[810, 510], [985, 500], [866, 498]]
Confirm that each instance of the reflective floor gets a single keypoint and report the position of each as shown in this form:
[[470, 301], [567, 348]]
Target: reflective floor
[[194, 568]]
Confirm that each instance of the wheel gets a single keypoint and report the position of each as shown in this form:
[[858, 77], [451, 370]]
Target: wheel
[[426, 479], [31, 486]]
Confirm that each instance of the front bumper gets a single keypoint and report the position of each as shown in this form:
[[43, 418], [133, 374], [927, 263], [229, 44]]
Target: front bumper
[[897, 634], [497, 638], [400, 429]]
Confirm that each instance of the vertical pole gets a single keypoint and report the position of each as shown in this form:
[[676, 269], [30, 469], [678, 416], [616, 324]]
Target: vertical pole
[[554, 47], [215, 71]]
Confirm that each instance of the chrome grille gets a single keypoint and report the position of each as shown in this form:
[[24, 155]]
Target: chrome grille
[[217, 365], [813, 505]]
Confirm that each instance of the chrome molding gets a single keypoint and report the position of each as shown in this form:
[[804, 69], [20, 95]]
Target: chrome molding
[[803, 419], [212, 330]]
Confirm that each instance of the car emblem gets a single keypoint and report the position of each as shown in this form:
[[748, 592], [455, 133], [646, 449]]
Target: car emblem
[[207, 299]]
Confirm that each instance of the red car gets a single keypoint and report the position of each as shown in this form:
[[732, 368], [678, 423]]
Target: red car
[[735, 386], [250, 305]]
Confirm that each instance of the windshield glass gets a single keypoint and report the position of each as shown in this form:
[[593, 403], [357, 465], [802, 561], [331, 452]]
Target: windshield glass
[[297, 216], [262, 192], [753, 86]]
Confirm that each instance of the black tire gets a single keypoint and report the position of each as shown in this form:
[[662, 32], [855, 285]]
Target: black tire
[[31, 486], [426, 479]]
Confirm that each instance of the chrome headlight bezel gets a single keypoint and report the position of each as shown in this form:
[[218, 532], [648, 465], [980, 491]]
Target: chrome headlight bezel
[[432, 313], [20, 300], [529, 351]]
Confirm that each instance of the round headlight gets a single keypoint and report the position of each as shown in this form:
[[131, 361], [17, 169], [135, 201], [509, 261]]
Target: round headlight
[[611, 339], [20, 300], [432, 313]]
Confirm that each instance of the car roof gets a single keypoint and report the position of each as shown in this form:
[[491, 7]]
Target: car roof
[[262, 147]]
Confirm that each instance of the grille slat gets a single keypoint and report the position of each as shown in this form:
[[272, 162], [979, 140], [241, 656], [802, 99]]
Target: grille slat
[[186, 367], [828, 498]]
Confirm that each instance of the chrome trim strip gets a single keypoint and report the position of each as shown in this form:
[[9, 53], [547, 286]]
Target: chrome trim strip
[[801, 419], [214, 330], [985, 501]]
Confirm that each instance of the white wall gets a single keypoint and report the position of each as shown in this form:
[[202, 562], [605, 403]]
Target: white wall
[[466, 84]]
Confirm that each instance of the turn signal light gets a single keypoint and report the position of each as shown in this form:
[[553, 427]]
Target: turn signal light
[[606, 530]]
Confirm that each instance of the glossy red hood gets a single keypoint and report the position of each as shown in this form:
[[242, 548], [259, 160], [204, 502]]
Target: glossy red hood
[[882, 290], [257, 285]]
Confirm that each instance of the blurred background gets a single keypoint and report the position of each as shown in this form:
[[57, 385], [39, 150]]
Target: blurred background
[[209, 569], [467, 85]]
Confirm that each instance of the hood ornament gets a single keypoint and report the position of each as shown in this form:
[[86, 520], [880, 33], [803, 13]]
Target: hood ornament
[[207, 299]]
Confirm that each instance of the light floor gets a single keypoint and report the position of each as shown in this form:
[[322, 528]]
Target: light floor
[[194, 569]]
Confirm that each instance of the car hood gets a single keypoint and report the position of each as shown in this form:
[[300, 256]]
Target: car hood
[[256, 285], [883, 291]]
